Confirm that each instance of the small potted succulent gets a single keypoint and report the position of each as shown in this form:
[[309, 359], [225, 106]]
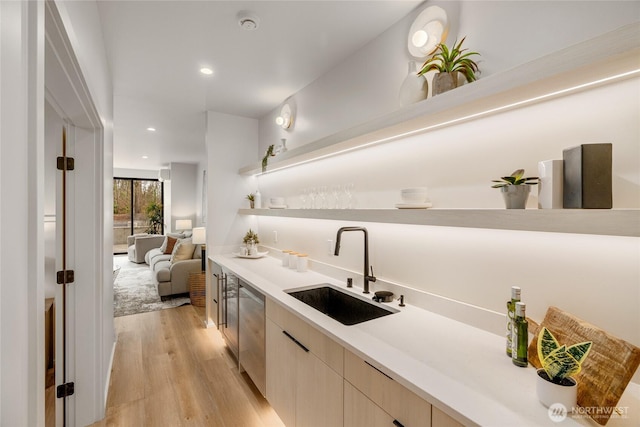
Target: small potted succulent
[[251, 241], [450, 63], [554, 383], [252, 200], [515, 188]]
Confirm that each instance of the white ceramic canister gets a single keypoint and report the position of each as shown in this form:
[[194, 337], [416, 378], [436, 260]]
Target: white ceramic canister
[[550, 184], [285, 258], [302, 262], [293, 256]]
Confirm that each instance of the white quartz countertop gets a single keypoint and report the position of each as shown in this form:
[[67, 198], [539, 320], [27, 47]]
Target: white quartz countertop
[[460, 369]]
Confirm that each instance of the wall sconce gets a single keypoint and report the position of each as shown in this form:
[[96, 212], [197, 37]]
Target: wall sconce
[[164, 175], [428, 30], [285, 119]]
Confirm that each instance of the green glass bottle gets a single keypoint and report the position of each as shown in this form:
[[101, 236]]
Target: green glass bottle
[[520, 341], [511, 311]]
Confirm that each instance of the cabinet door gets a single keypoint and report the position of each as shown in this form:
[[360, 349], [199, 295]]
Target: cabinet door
[[214, 298], [281, 373], [359, 411], [319, 394], [440, 419], [406, 407]]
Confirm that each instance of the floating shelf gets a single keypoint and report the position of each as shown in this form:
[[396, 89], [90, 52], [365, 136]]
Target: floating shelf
[[602, 60], [610, 222]]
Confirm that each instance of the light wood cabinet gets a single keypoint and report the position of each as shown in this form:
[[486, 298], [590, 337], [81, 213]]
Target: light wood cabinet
[[303, 385], [360, 411], [403, 406], [440, 419]]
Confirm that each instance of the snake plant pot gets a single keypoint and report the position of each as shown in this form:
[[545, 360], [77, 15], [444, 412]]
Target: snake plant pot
[[550, 393], [515, 196]]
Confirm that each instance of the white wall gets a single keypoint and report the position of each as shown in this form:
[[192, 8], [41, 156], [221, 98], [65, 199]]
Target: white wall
[[231, 141], [593, 277], [183, 184], [21, 213], [366, 85]]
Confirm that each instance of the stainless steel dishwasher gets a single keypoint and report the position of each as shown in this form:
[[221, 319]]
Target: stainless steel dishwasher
[[252, 331]]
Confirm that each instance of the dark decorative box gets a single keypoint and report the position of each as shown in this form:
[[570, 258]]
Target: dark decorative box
[[587, 176]]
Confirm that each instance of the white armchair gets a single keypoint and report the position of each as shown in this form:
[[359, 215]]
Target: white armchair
[[140, 244]]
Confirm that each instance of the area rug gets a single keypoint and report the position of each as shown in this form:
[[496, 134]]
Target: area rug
[[134, 292]]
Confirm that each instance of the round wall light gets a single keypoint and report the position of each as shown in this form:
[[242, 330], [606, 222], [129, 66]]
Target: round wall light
[[285, 119], [428, 30]]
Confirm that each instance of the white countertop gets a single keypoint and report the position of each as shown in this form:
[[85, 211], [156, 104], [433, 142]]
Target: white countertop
[[458, 368]]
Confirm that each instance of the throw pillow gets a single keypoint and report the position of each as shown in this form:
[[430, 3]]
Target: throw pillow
[[183, 251], [170, 242]]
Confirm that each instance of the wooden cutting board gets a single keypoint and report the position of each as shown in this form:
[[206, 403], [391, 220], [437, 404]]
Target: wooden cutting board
[[607, 369]]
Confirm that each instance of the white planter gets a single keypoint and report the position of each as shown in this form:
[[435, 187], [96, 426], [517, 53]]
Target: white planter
[[515, 196], [550, 393]]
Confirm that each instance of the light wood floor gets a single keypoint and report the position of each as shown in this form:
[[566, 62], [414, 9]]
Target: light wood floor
[[169, 370]]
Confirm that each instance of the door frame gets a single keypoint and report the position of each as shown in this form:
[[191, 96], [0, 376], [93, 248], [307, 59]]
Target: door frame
[[65, 86]]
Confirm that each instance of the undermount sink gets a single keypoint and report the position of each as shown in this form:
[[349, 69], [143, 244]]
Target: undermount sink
[[341, 306]]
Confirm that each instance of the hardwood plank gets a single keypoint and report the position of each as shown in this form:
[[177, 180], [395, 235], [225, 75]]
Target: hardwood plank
[[171, 371]]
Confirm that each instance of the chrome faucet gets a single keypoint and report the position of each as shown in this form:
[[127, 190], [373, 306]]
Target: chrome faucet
[[367, 278]]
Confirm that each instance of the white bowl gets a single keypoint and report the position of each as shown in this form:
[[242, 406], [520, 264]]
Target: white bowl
[[276, 201], [414, 197], [414, 190]]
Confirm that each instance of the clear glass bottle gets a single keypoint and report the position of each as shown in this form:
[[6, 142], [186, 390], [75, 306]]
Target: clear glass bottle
[[520, 337], [511, 310]]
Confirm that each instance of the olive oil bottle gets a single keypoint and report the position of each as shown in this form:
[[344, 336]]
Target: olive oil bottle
[[511, 312], [520, 341]]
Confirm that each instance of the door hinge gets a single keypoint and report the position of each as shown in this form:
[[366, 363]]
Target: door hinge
[[65, 390], [65, 276], [70, 163]]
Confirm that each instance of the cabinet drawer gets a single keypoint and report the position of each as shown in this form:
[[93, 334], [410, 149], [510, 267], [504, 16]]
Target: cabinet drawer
[[402, 404], [317, 342], [440, 419]]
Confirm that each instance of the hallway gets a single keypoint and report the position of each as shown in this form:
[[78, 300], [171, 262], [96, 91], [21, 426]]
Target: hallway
[[168, 370]]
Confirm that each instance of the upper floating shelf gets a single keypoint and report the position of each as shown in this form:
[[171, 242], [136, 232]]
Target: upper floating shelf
[[605, 59], [609, 222]]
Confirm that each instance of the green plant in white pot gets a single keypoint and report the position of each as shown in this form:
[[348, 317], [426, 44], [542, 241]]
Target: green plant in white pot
[[515, 188], [450, 63], [559, 363]]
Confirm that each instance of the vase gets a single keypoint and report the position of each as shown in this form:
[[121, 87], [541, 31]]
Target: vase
[[414, 87], [515, 196], [550, 184], [443, 82], [550, 393]]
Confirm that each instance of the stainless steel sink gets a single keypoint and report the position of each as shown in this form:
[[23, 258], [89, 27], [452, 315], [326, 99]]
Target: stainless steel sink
[[345, 308]]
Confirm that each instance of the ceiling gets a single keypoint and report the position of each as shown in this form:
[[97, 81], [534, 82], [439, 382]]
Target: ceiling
[[156, 49]]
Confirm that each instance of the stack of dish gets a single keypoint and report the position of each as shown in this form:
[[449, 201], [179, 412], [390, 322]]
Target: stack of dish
[[414, 198], [277, 203]]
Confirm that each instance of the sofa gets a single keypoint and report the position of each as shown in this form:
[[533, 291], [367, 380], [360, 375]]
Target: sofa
[[171, 265]]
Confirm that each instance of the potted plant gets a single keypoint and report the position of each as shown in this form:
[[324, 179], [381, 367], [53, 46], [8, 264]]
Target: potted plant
[[554, 383], [251, 198], [155, 218], [251, 241], [265, 159], [450, 63], [515, 188]]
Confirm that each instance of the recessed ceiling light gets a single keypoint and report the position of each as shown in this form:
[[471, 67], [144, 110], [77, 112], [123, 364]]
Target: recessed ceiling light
[[150, 129], [248, 21], [206, 71], [145, 157]]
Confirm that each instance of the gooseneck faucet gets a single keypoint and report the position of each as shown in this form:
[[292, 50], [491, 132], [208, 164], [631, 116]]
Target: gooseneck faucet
[[367, 278]]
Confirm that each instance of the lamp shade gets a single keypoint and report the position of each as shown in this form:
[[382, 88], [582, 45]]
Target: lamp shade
[[183, 224], [428, 30], [199, 236]]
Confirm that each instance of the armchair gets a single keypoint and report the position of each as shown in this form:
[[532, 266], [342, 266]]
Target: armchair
[[140, 244]]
